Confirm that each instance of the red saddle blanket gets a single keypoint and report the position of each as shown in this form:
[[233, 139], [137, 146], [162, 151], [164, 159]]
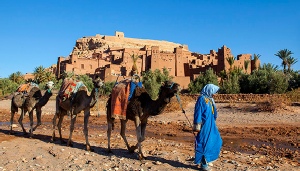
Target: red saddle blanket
[[119, 99]]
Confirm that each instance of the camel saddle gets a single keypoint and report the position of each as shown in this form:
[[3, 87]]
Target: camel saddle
[[25, 88], [120, 96], [69, 88]]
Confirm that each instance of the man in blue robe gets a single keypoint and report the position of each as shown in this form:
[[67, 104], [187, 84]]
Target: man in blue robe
[[208, 141]]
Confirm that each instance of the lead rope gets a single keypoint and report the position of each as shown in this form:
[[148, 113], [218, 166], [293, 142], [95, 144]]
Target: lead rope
[[183, 111], [98, 101]]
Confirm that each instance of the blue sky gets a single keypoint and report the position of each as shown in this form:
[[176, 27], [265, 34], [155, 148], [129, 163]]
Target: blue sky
[[37, 32]]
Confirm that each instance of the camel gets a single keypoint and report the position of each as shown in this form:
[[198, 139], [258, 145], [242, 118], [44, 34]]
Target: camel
[[139, 109], [74, 105], [27, 103]]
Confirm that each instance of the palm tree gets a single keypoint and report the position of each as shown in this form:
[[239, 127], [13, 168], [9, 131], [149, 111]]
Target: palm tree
[[284, 55], [16, 77], [39, 74], [255, 59], [230, 61], [290, 61], [134, 59], [246, 64], [269, 67]]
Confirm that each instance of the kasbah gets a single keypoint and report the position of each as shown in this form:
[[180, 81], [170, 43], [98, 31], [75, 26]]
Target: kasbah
[[113, 56]]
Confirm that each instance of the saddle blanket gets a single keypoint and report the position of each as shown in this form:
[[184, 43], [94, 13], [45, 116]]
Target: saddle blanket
[[69, 87]]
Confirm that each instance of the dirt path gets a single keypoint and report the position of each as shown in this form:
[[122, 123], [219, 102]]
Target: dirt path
[[252, 141]]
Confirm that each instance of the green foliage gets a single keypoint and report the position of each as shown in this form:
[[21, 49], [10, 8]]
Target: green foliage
[[294, 81], [87, 81], [244, 83], [246, 64], [231, 84], [42, 76], [230, 61], [17, 77], [267, 80], [208, 77], [7, 86], [152, 81], [108, 86], [284, 55]]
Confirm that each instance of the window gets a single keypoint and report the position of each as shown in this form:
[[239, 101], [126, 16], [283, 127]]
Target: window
[[82, 66], [91, 66]]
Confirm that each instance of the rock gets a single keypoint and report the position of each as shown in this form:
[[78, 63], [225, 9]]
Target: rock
[[158, 163]]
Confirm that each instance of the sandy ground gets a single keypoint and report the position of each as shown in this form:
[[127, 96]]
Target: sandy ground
[[251, 141]]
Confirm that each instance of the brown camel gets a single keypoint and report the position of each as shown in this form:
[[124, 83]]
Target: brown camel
[[27, 103], [139, 108], [80, 102]]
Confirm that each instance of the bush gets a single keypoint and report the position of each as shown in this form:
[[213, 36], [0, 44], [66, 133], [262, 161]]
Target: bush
[[152, 81], [204, 78]]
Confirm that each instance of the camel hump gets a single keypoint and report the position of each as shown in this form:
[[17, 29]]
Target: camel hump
[[35, 92]]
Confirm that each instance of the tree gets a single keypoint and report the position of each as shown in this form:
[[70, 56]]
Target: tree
[[267, 80], [255, 59], [290, 61], [17, 77], [204, 78], [152, 81], [246, 64], [230, 61], [7, 86], [39, 74], [269, 67], [284, 55], [231, 84], [134, 67]]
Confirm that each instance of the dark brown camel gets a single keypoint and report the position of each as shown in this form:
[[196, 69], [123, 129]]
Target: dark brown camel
[[28, 102], [139, 108], [81, 102]]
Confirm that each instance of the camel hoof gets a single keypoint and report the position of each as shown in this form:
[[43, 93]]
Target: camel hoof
[[69, 144], [142, 157], [132, 148], [90, 150]]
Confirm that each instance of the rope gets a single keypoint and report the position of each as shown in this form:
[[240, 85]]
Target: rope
[[97, 101], [183, 111]]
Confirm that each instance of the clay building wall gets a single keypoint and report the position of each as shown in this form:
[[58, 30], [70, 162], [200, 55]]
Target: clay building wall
[[111, 55]]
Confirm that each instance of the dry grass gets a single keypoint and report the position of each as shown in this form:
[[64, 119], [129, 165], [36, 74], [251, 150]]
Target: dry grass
[[273, 104]]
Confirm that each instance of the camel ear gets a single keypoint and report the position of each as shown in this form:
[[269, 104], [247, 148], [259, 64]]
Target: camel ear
[[162, 83]]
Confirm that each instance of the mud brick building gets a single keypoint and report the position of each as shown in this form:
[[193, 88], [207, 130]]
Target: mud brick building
[[110, 56]]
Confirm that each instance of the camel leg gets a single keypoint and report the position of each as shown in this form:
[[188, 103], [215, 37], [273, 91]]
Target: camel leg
[[53, 126], [21, 119], [61, 118], [38, 117], [143, 127], [85, 128], [12, 114], [73, 120], [31, 123], [123, 129], [109, 128], [139, 137]]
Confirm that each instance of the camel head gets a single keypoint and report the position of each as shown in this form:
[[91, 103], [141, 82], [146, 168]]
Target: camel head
[[50, 85], [168, 89], [98, 83]]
